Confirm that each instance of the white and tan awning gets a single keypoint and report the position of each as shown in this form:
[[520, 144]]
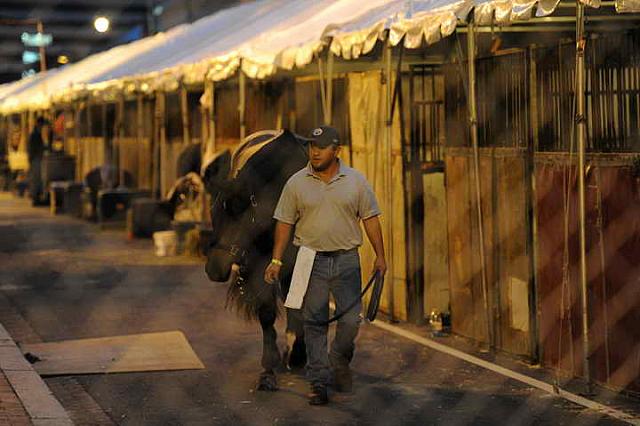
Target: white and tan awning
[[262, 37]]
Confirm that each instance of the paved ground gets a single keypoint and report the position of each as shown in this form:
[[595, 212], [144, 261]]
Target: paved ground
[[63, 279], [11, 410]]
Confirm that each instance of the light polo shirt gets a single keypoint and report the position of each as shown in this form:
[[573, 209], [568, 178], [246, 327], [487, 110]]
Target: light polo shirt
[[327, 215]]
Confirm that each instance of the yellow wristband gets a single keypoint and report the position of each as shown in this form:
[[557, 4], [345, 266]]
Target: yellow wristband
[[276, 262]]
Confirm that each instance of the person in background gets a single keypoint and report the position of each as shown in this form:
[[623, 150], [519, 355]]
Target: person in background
[[35, 152]]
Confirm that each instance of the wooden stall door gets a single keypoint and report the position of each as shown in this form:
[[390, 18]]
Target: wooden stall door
[[427, 124], [613, 249], [512, 255], [506, 229], [135, 157], [370, 156]]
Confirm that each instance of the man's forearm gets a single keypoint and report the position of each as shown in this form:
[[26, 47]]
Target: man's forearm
[[374, 233], [282, 235]]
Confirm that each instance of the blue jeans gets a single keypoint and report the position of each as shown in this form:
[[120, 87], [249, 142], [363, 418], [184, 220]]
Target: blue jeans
[[340, 275]]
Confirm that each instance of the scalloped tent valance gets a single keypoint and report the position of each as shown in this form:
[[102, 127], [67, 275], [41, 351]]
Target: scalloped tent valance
[[261, 37]]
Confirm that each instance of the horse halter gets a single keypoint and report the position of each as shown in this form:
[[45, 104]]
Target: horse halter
[[235, 251]]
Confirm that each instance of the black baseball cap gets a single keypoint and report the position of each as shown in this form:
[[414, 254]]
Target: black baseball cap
[[324, 136]]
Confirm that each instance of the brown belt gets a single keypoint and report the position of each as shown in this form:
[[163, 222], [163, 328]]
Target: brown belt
[[334, 253]]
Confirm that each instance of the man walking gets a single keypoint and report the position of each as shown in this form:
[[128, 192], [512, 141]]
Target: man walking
[[325, 202], [35, 152]]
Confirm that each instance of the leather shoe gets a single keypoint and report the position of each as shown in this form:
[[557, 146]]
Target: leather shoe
[[318, 396]]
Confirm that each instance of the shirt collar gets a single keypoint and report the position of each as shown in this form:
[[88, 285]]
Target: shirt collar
[[342, 171]]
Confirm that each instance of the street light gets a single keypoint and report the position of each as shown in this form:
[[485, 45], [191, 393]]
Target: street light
[[101, 24]]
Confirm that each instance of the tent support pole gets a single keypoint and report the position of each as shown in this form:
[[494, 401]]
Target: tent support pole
[[323, 90], [389, 183], [242, 104], [104, 132], [530, 182], [211, 108], [155, 141], [328, 112], [473, 129], [76, 135], [120, 136], [184, 106], [89, 122], [161, 114], [581, 134], [139, 126]]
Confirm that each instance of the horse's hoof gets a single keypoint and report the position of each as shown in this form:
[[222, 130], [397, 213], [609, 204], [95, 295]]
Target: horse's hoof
[[267, 382]]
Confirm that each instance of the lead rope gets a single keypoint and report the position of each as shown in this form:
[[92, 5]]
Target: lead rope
[[377, 281]]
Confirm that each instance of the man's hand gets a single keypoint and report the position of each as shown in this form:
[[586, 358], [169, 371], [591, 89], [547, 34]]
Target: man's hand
[[380, 265], [272, 273]]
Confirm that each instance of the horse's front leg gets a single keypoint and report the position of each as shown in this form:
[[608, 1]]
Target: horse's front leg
[[296, 355], [270, 354]]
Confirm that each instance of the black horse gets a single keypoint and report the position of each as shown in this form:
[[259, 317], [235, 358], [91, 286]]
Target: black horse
[[245, 189]]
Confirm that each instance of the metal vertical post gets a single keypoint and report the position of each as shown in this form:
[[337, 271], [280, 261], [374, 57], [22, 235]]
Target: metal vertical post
[[415, 294], [184, 108], [323, 90], [473, 128], [212, 116], [161, 99], [328, 112], [120, 137], [581, 136], [140, 128], [43, 56], [155, 143], [242, 103], [389, 182], [76, 136], [530, 182]]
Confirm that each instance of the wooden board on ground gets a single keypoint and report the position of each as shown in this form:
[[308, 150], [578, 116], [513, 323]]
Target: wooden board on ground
[[119, 354]]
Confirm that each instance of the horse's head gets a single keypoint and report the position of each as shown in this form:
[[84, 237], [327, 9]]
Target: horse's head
[[245, 188], [217, 183], [233, 211], [231, 219]]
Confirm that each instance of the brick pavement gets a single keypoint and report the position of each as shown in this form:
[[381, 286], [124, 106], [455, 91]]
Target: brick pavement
[[12, 411], [24, 397]]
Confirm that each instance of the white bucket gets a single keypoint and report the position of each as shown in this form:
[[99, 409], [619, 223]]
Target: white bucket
[[165, 243]]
